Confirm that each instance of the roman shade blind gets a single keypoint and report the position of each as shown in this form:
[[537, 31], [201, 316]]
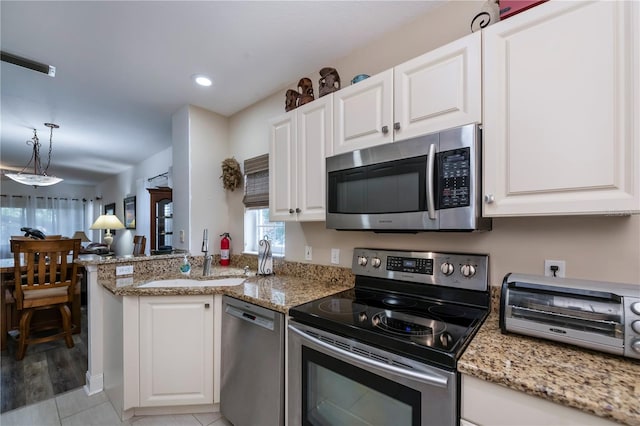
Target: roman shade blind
[[256, 189]]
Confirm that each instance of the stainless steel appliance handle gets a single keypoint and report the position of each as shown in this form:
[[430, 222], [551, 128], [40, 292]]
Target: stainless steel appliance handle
[[431, 379], [250, 317], [431, 161]]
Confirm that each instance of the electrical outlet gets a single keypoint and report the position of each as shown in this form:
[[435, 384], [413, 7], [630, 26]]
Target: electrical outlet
[[335, 256], [550, 265], [124, 270], [307, 253]]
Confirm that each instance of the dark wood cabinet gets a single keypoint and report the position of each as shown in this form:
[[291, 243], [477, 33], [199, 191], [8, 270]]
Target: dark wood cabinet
[[161, 220]]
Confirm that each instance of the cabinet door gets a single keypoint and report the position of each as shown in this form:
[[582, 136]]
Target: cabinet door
[[439, 90], [176, 350], [561, 110], [480, 402], [282, 168], [363, 113], [314, 144]]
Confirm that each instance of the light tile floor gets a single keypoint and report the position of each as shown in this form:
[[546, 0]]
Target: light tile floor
[[76, 408]]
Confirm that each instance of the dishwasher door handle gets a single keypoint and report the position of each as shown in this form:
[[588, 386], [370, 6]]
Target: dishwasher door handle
[[250, 317]]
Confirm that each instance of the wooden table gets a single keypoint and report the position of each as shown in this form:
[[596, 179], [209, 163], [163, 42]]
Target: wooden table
[[9, 318]]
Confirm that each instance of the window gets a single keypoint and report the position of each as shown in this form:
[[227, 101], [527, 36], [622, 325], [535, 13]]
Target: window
[[52, 216], [256, 200], [257, 226]]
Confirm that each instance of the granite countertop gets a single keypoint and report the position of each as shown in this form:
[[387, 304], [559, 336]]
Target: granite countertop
[[594, 382], [275, 292]]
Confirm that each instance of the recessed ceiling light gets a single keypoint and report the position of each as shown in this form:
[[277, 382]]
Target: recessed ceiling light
[[202, 80]]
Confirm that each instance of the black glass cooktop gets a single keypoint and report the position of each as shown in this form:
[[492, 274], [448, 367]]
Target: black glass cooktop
[[420, 328]]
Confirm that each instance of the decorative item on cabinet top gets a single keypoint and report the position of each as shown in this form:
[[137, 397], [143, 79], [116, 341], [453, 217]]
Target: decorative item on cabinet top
[[329, 81], [291, 100], [512, 7], [359, 77], [305, 88], [489, 14], [231, 174]]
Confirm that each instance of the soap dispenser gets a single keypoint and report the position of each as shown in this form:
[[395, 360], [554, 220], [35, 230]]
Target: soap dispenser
[[185, 268]]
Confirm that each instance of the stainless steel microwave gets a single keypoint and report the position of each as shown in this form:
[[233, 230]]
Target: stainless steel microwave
[[427, 183]]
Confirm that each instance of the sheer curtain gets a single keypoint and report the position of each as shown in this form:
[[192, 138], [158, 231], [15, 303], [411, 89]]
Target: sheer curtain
[[51, 215]]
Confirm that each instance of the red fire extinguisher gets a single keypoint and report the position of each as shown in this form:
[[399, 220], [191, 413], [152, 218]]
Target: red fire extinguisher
[[224, 249]]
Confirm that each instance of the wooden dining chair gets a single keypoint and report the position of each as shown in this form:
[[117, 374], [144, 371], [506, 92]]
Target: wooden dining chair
[[45, 277], [139, 244]]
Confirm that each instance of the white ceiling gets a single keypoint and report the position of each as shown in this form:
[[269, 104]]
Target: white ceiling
[[124, 67]]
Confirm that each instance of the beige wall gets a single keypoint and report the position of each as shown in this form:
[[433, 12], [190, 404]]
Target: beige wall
[[604, 248], [200, 144]]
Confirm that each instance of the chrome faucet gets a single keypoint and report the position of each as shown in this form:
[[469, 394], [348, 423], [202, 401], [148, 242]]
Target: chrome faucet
[[206, 267]]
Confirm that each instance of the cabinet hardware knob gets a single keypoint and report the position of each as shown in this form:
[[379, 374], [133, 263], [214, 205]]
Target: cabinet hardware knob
[[298, 210], [290, 211], [385, 129], [489, 198], [396, 126], [206, 306]]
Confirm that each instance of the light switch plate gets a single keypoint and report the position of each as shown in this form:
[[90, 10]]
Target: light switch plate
[[335, 256], [124, 270]]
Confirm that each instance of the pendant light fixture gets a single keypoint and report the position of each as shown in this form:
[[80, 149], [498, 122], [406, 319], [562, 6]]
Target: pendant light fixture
[[39, 176]]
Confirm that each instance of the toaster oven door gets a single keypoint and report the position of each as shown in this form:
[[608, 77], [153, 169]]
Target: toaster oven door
[[594, 320]]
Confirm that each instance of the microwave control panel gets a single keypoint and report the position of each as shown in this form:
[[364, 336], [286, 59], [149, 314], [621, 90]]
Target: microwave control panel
[[454, 178]]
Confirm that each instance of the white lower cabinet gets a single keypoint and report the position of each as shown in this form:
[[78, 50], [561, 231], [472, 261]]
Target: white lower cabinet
[[485, 403], [169, 351], [561, 110]]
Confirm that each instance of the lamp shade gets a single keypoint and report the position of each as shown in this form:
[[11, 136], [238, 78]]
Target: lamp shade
[[80, 235], [107, 221]]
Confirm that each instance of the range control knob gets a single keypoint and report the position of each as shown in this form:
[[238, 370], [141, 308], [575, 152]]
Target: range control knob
[[447, 268], [375, 262], [635, 308], [362, 261], [635, 326], [635, 345], [468, 271]]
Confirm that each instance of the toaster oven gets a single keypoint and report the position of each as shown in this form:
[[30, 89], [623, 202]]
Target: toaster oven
[[603, 316]]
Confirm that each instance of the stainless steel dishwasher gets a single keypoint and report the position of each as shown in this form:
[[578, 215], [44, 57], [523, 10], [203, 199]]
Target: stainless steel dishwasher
[[252, 385]]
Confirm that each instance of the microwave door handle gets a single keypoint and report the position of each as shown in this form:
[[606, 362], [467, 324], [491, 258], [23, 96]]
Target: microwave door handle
[[431, 161]]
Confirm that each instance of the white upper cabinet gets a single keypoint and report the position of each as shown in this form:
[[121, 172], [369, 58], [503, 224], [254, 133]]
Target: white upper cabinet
[[363, 113], [299, 143], [282, 167], [435, 91], [561, 110], [439, 90]]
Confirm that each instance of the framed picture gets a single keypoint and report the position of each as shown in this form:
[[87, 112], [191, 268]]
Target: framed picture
[[130, 212], [110, 209]]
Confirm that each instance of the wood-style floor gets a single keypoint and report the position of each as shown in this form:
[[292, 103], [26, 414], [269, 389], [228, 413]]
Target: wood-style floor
[[48, 369]]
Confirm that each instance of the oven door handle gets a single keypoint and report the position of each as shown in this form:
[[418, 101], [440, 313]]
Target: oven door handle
[[431, 379], [431, 161]]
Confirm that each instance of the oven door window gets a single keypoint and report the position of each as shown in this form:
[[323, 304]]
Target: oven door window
[[391, 187], [337, 393]]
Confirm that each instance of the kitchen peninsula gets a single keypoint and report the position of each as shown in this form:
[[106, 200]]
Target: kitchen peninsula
[[117, 304]]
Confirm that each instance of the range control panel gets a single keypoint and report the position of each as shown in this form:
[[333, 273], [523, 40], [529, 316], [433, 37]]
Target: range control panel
[[459, 270]]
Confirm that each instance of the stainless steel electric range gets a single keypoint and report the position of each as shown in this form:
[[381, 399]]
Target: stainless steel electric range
[[385, 352]]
